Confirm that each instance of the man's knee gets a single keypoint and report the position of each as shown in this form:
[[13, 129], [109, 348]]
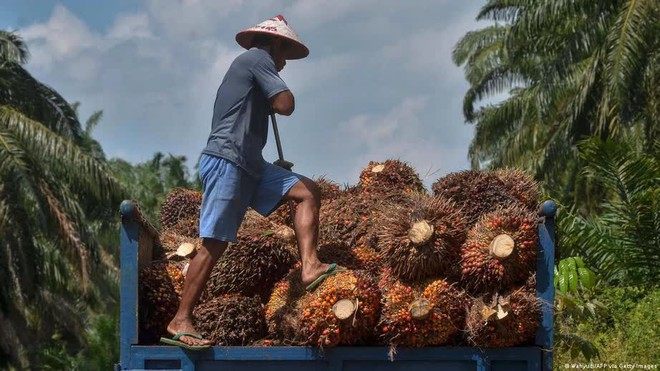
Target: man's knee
[[305, 190]]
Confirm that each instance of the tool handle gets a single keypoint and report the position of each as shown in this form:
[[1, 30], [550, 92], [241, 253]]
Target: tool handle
[[282, 163], [277, 137]]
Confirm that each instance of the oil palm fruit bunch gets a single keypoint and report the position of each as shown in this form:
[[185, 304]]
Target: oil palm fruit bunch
[[180, 203], [521, 186], [476, 192], [571, 273], [329, 189], [231, 320], [420, 238], [369, 259], [345, 219], [344, 309], [263, 255], [500, 250], [421, 314], [160, 285], [187, 227], [282, 309], [496, 321], [391, 176]]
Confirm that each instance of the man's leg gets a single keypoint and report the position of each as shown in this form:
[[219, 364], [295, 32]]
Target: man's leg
[[198, 274], [306, 225]]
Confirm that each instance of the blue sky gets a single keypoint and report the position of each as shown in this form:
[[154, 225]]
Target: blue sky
[[378, 84]]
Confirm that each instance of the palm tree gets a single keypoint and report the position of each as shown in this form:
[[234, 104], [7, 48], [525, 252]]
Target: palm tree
[[49, 257], [623, 242], [571, 69]]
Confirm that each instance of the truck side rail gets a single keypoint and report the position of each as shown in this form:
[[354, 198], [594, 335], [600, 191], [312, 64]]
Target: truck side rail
[[139, 239]]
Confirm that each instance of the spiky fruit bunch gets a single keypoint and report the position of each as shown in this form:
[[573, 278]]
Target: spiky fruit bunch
[[500, 251], [476, 192], [329, 189], [421, 315], [262, 256], [180, 203], [282, 309], [282, 215], [171, 241], [345, 219], [160, 284], [391, 176], [521, 186], [369, 259], [359, 257], [422, 237], [253, 219], [503, 321], [187, 227], [344, 309], [231, 320]]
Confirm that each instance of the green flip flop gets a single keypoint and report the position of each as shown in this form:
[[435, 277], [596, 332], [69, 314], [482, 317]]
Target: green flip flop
[[328, 272], [176, 342]]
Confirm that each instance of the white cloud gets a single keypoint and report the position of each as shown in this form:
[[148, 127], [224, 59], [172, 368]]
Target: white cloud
[[62, 36], [379, 82], [129, 27]]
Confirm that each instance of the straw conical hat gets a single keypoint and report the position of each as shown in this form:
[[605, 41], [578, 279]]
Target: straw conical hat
[[276, 26]]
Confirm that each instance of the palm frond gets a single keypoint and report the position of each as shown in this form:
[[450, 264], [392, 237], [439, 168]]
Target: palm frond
[[628, 42], [38, 101], [80, 169], [12, 48]]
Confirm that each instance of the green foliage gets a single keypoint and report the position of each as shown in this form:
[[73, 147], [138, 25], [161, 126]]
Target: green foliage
[[54, 200], [575, 303], [101, 352], [571, 273], [622, 243], [626, 332], [572, 69], [149, 182]]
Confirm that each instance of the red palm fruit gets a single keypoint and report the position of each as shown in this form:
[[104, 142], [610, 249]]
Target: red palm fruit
[[344, 309], [179, 204], [521, 186], [329, 189], [391, 176], [187, 227], [359, 257], [500, 251], [508, 320], [282, 309], [262, 256], [420, 238], [159, 288], [369, 259], [428, 313], [345, 219], [231, 320], [476, 192]]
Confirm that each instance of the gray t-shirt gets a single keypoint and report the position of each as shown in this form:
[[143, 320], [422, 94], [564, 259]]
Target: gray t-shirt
[[239, 129]]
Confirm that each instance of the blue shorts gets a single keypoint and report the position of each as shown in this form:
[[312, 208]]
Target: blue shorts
[[228, 190]]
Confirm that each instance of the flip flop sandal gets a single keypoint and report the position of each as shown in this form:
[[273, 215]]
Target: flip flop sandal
[[176, 342], [328, 272]]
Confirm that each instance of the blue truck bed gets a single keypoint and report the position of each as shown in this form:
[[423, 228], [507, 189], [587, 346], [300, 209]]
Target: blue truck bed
[[137, 243]]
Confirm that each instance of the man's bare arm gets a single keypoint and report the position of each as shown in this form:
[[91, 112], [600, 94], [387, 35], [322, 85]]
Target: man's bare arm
[[283, 103]]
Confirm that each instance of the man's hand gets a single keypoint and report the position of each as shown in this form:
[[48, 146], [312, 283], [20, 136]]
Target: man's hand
[[283, 164]]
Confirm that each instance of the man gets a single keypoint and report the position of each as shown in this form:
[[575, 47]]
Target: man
[[234, 174]]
